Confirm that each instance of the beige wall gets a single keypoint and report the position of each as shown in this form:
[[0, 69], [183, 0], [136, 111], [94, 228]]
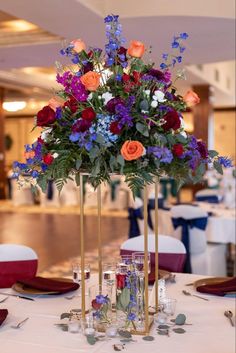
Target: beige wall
[[19, 129], [224, 133]]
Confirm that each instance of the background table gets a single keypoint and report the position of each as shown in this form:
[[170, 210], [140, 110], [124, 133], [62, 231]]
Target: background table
[[210, 332]]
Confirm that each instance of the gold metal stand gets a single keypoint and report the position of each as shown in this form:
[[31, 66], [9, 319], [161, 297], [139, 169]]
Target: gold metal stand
[[156, 244], [82, 246], [99, 201]]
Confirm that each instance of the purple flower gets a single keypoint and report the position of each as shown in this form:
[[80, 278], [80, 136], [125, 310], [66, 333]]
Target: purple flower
[[112, 103], [162, 153], [202, 149], [101, 299]]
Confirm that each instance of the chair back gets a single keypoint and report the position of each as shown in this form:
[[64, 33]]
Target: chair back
[[208, 195], [171, 252], [16, 262]]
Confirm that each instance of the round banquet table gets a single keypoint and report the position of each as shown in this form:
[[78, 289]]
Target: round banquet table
[[221, 226], [210, 331]]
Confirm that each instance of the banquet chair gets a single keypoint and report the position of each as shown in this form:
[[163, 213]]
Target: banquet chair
[[69, 195], [208, 195], [117, 195], [203, 258], [172, 252], [16, 262], [51, 197], [135, 216], [21, 195]]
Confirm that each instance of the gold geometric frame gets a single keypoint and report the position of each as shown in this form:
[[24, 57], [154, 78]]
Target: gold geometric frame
[[148, 319]]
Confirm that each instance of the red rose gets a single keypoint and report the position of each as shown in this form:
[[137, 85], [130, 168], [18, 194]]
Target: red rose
[[125, 78], [81, 125], [46, 116], [114, 128], [178, 149], [48, 159], [172, 121], [96, 305], [72, 104], [88, 114], [39, 140], [202, 149], [136, 76], [120, 280]]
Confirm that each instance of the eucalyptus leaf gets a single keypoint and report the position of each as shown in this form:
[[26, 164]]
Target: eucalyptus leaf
[[78, 163], [180, 319], [163, 327], [213, 153], [120, 160], [148, 338], [125, 333], [100, 139], [218, 167], [64, 327], [179, 330], [143, 129], [94, 152], [163, 332], [65, 316], [91, 340], [124, 298], [126, 340], [181, 138], [144, 105]]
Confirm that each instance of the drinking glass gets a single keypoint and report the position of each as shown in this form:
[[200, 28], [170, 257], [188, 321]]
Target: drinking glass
[[76, 268], [168, 305], [108, 272], [138, 261]]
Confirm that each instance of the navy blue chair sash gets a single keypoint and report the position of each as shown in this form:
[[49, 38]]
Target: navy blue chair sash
[[199, 223], [114, 184], [50, 190], [208, 198], [134, 215]]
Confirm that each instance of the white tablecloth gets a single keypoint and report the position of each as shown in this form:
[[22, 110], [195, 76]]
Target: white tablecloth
[[210, 331], [221, 226]]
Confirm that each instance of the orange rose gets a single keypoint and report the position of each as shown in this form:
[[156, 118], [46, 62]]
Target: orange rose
[[78, 44], [136, 49], [55, 103], [191, 98], [132, 150], [91, 80]]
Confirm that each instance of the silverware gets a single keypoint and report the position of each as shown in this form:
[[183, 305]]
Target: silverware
[[229, 315], [70, 297], [20, 323], [17, 296], [193, 295], [3, 300]]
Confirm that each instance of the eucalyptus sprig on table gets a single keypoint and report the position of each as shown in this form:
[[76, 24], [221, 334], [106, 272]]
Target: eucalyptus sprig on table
[[180, 320]]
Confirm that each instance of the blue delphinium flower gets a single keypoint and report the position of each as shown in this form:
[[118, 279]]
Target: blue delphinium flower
[[177, 46], [102, 299], [131, 316], [225, 162]]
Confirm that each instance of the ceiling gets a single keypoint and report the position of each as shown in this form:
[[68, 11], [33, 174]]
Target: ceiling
[[210, 24]]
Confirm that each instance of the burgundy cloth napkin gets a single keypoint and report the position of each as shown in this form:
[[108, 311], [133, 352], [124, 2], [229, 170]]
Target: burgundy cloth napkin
[[220, 289], [3, 315], [49, 285]]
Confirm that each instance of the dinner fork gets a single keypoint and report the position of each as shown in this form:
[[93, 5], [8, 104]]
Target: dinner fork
[[193, 295], [20, 323], [3, 300]]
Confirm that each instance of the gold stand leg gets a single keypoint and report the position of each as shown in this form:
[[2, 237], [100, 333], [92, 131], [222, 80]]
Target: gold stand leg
[[156, 244], [146, 304], [82, 247], [99, 235]]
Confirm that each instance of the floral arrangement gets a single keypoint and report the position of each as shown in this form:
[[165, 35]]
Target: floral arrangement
[[116, 113], [101, 305]]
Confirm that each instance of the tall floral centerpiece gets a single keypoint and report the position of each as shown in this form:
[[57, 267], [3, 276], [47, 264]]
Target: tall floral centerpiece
[[116, 113]]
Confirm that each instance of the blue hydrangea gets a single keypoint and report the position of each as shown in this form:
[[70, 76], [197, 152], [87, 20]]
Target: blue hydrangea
[[103, 128], [225, 162], [162, 153]]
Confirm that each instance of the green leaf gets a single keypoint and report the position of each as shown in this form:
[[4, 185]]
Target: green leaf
[[170, 139], [163, 327], [148, 338], [143, 129], [120, 160], [218, 167], [78, 163], [200, 170], [125, 334], [124, 298], [179, 330], [96, 169], [144, 105], [180, 319], [181, 138], [77, 179], [213, 153], [64, 327], [100, 139], [94, 152], [65, 315]]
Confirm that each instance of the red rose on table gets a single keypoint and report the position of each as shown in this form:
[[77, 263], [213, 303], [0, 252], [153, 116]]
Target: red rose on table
[[46, 116], [114, 128], [88, 114], [178, 149], [96, 305], [48, 159], [172, 121]]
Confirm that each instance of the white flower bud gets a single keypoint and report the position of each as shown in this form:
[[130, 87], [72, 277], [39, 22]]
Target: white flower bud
[[147, 92], [160, 96], [154, 104], [55, 155]]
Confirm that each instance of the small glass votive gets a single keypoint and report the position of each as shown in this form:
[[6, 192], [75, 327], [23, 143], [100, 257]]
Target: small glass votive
[[73, 326], [160, 318], [87, 326], [168, 306], [111, 330]]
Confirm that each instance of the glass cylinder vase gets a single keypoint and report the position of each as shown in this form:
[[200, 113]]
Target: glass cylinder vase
[[101, 308]]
